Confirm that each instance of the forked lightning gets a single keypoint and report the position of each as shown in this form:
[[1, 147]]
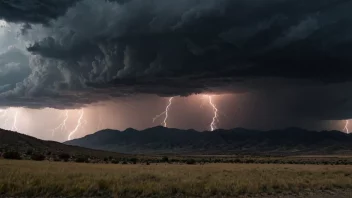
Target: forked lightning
[[62, 127], [166, 113], [78, 126]]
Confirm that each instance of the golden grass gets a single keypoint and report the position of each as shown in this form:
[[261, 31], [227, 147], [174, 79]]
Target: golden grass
[[49, 179]]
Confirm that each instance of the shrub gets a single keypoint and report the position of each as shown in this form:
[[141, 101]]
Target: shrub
[[134, 160], [81, 160], [249, 161], [114, 161], [56, 159], [191, 161], [37, 157], [12, 155], [29, 152], [64, 156], [165, 159]]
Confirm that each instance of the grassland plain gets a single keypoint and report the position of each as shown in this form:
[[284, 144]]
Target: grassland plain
[[59, 179]]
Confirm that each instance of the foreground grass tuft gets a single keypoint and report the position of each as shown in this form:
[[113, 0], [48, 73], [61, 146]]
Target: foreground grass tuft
[[53, 179]]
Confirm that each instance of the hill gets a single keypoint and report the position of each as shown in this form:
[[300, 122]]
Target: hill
[[13, 141], [159, 140]]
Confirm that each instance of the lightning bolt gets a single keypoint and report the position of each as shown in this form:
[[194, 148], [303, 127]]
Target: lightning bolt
[[215, 117], [4, 115], [346, 127], [14, 124], [79, 124], [166, 113], [62, 125]]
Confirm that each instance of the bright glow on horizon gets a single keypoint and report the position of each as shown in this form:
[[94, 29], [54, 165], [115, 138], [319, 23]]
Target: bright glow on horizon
[[184, 113], [15, 118]]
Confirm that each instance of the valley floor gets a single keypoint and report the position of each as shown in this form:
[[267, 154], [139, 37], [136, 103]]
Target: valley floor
[[60, 179]]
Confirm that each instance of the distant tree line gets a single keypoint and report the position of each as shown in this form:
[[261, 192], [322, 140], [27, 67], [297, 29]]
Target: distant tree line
[[65, 157]]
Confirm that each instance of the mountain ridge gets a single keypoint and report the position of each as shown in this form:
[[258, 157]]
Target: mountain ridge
[[22, 143], [158, 140]]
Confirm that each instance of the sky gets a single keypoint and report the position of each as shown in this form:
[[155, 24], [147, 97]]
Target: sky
[[69, 68]]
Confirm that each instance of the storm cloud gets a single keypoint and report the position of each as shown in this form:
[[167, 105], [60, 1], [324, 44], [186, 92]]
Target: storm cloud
[[81, 52]]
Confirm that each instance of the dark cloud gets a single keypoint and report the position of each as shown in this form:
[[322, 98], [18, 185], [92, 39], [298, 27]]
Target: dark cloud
[[37, 11], [107, 49], [33, 11], [208, 39], [14, 66]]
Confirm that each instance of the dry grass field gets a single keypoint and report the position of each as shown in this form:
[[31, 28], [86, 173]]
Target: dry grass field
[[53, 179]]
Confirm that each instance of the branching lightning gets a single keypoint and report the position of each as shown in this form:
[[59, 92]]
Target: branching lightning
[[346, 127], [62, 126], [80, 124], [5, 114], [215, 117], [166, 113]]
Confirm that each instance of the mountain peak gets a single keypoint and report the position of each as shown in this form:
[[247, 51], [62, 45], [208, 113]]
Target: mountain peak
[[130, 130], [160, 139]]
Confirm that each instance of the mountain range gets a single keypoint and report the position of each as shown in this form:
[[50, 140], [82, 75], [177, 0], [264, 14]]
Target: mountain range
[[161, 140]]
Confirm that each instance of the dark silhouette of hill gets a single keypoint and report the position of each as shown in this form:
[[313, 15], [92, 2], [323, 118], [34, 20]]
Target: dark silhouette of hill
[[13, 141], [239, 140]]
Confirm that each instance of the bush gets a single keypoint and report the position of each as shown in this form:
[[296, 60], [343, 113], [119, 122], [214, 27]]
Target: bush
[[249, 161], [12, 155], [134, 160], [64, 156], [29, 152], [81, 160], [114, 161], [56, 159], [165, 159], [191, 161], [37, 157]]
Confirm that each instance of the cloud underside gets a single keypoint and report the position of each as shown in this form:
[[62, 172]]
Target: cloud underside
[[86, 51]]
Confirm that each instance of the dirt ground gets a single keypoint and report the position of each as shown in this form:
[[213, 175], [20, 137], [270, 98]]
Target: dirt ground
[[325, 194]]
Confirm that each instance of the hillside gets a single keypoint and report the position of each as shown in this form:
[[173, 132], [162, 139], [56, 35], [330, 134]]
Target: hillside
[[165, 140], [13, 141]]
